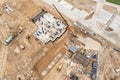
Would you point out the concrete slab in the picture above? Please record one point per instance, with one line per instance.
(104, 16)
(65, 4)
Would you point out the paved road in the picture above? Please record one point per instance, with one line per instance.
(92, 24)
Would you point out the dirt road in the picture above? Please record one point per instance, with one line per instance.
(50, 54)
(3, 51)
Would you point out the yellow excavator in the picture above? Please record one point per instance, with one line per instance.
(59, 67)
(12, 36)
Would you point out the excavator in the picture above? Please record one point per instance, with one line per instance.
(23, 22)
(21, 29)
(59, 67)
(15, 34)
(69, 26)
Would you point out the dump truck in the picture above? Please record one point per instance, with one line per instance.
(59, 67)
(11, 37)
(66, 22)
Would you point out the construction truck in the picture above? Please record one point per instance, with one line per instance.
(59, 67)
(21, 29)
(9, 39)
(70, 27)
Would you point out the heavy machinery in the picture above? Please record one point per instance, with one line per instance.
(70, 27)
(11, 37)
(59, 67)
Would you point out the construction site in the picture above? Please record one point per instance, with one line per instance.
(59, 40)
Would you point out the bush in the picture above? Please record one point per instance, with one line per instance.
(114, 1)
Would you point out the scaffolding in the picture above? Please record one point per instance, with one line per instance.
(49, 28)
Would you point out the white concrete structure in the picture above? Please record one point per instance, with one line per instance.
(65, 4)
(66, 8)
(49, 28)
(116, 23)
(104, 16)
(81, 13)
(87, 41)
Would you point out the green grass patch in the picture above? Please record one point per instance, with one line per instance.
(114, 1)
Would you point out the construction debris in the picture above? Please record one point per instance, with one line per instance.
(50, 28)
(59, 40)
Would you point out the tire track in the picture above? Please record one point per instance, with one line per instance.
(3, 52)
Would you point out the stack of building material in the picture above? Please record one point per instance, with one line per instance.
(49, 28)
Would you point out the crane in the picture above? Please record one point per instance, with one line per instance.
(70, 27)
(16, 33)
